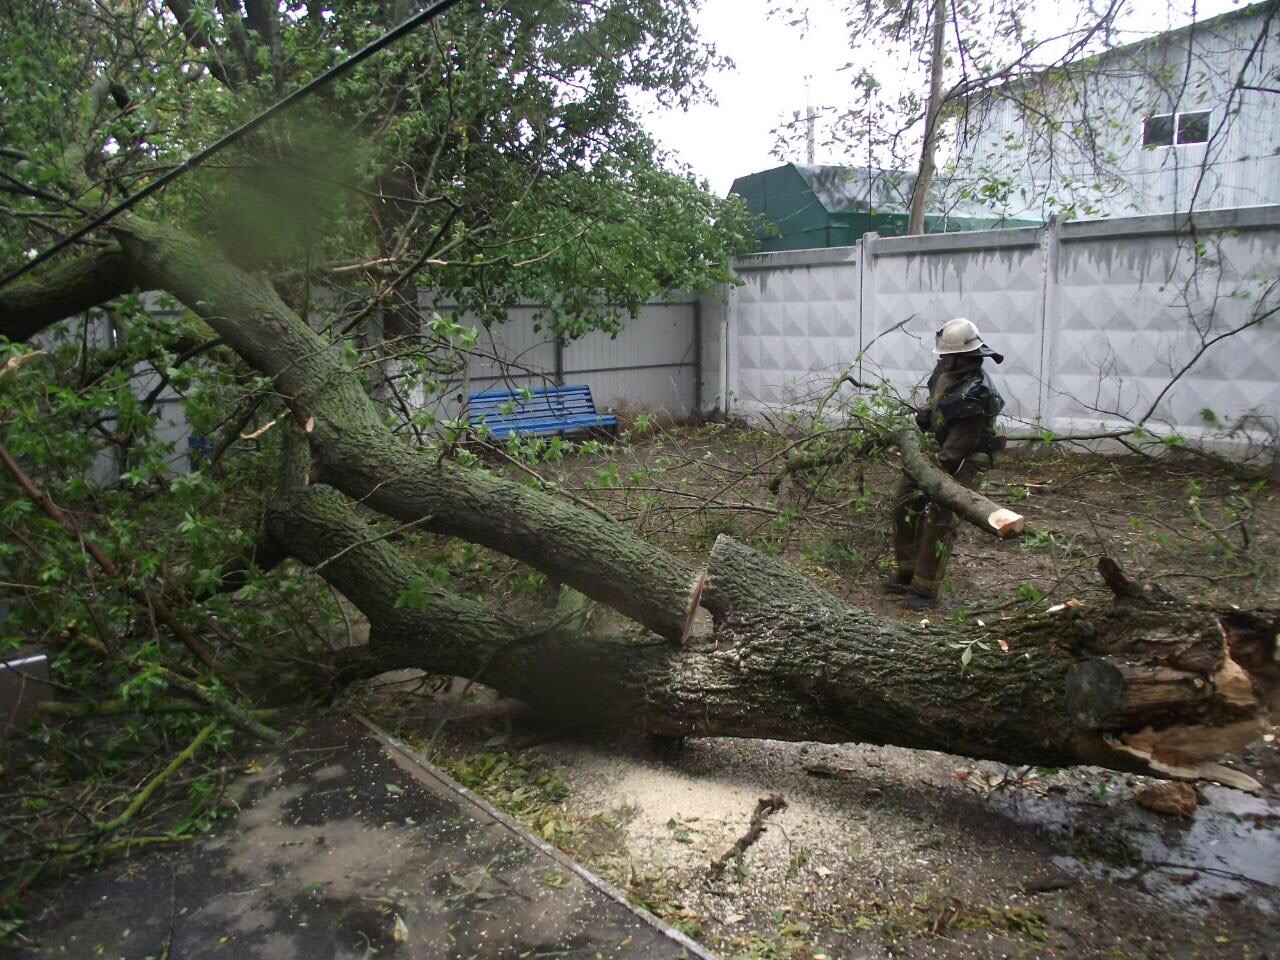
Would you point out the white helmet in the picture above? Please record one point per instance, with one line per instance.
(957, 336)
(962, 336)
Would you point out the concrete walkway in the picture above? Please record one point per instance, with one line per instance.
(348, 846)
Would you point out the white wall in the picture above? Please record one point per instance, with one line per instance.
(1186, 70)
(652, 363)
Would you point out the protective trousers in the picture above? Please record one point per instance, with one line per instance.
(923, 533)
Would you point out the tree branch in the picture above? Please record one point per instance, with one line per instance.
(968, 504)
(29, 306)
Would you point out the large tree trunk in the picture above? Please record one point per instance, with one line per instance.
(358, 453)
(1154, 690)
(933, 110)
(27, 307)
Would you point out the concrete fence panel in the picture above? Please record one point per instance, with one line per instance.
(1099, 322)
(793, 324)
(650, 363)
(1140, 306)
(927, 281)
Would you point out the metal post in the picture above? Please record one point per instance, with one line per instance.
(559, 361)
(697, 356)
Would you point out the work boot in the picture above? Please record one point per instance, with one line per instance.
(900, 582)
(920, 601)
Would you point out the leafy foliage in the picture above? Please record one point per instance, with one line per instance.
(493, 157)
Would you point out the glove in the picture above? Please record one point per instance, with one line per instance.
(924, 419)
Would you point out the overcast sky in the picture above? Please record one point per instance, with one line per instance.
(772, 61)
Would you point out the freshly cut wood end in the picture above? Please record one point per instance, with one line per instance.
(1206, 770)
(695, 598)
(1188, 752)
(1006, 523)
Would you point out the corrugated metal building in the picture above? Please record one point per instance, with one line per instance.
(1164, 125)
(833, 206)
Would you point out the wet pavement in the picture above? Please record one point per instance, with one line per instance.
(347, 846)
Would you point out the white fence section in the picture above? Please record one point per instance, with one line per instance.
(1098, 320)
(652, 363)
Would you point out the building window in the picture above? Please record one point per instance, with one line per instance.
(1193, 127)
(1159, 130)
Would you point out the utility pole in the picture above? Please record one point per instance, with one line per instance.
(809, 121)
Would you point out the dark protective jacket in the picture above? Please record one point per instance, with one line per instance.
(961, 414)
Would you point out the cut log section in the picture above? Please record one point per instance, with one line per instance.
(942, 489)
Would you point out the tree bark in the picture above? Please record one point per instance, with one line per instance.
(928, 149)
(941, 488)
(1152, 690)
(29, 306)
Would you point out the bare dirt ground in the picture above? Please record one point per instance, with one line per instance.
(882, 852)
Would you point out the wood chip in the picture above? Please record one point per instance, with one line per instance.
(1171, 799)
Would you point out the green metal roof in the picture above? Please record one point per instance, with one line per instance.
(832, 206)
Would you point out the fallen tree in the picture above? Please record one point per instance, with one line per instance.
(1164, 690)
(502, 200)
(1158, 688)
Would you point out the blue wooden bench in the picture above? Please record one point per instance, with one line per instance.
(544, 411)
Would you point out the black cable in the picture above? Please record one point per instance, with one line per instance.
(429, 12)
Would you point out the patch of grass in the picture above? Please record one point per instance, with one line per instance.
(658, 894)
(758, 946)
(529, 792)
(797, 862)
(933, 914)
(1098, 845)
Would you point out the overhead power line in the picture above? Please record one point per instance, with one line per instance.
(429, 12)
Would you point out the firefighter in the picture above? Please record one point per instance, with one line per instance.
(960, 414)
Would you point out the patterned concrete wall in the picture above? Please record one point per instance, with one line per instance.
(1099, 321)
(926, 280)
(794, 324)
(1132, 312)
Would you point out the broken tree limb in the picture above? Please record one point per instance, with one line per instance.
(942, 489)
(231, 712)
(808, 460)
(144, 597)
(356, 451)
(765, 807)
(72, 287)
(787, 660)
(1130, 591)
